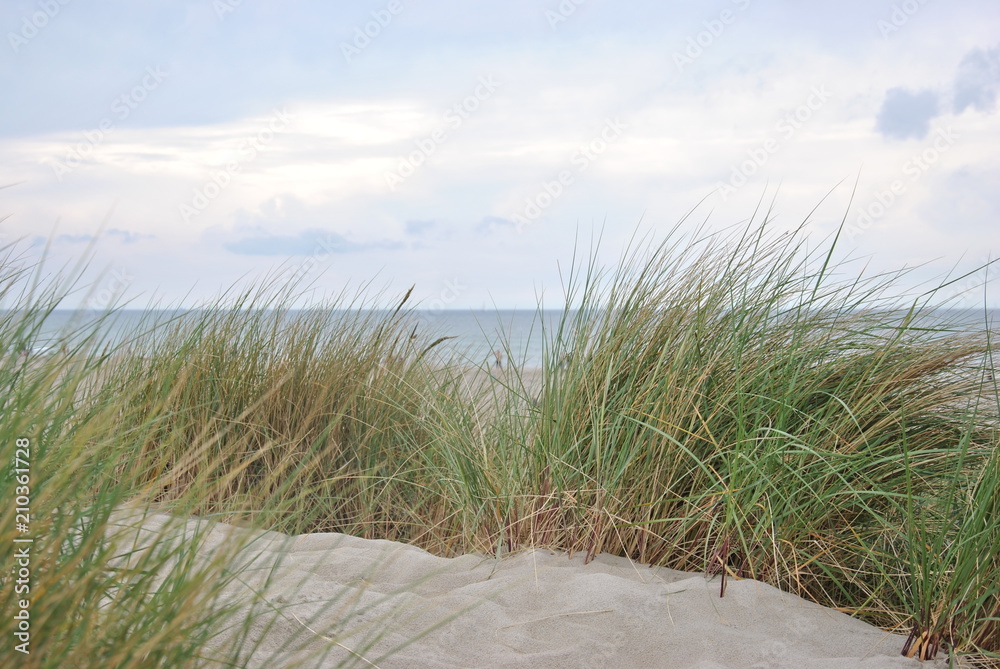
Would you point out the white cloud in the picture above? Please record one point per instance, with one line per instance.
(324, 174)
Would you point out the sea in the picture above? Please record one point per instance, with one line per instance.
(474, 336)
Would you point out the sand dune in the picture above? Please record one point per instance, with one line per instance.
(535, 609)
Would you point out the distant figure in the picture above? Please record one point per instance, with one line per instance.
(498, 354)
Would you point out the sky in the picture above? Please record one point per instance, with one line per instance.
(188, 147)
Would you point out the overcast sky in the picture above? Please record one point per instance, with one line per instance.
(465, 146)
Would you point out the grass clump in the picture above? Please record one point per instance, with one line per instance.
(732, 402)
(726, 403)
(114, 448)
(310, 415)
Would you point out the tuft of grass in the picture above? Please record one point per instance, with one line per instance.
(733, 402)
(111, 449)
(726, 403)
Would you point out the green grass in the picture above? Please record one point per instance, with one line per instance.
(177, 422)
(734, 403)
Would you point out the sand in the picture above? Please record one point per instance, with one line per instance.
(533, 609)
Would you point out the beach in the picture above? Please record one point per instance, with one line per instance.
(329, 600)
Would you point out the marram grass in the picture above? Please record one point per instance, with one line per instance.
(113, 434)
(729, 403)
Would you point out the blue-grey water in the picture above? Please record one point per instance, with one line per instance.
(476, 334)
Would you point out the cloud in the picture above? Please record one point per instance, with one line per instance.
(419, 228)
(75, 239)
(905, 114)
(125, 236)
(491, 224)
(128, 237)
(305, 243)
(978, 80)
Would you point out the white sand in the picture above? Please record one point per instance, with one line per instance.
(536, 609)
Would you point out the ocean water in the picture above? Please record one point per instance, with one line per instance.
(474, 334)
